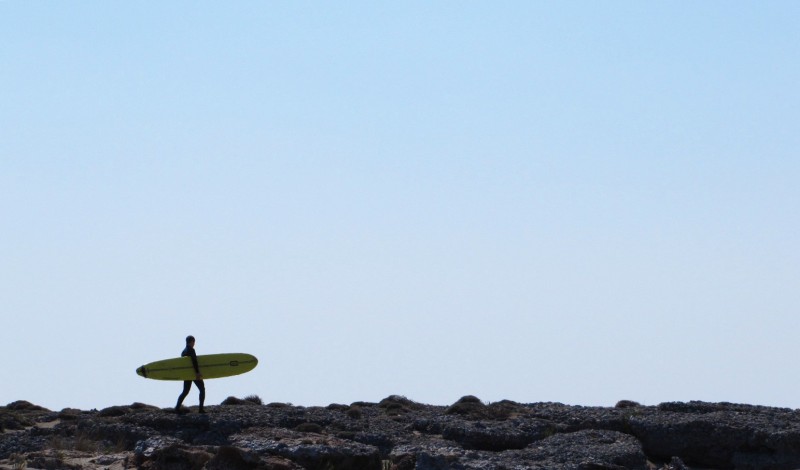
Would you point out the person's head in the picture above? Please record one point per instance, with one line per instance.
(190, 340)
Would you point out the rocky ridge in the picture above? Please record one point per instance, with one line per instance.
(399, 434)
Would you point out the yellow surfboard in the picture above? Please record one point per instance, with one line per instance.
(212, 366)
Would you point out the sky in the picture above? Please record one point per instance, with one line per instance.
(574, 201)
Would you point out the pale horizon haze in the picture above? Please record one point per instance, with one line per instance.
(578, 202)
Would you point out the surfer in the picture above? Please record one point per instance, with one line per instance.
(198, 381)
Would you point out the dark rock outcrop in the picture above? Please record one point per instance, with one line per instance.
(400, 434)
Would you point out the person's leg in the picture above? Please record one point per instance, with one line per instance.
(187, 384)
(201, 386)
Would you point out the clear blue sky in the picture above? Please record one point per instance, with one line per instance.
(538, 201)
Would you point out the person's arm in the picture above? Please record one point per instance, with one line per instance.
(193, 355)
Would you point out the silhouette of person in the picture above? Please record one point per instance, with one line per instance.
(198, 381)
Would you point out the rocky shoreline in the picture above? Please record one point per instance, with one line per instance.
(399, 434)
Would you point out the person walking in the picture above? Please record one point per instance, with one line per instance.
(188, 351)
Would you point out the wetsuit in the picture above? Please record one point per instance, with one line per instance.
(187, 384)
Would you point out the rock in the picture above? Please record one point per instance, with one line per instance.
(309, 451)
(233, 458)
(146, 448)
(589, 449)
(468, 406)
(50, 459)
(720, 435)
(233, 401)
(114, 411)
(401, 434)
(309, 427)
(178, 457)
(396, 404)
(627, 404)
(580, 450)
(22, 405)
(496, 437)
(675, 464)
